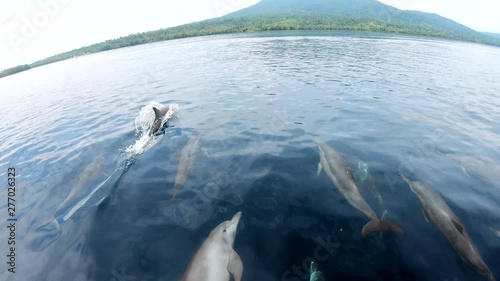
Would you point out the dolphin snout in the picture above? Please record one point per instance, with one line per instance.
(236, 218)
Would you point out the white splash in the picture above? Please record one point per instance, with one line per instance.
(142, 124)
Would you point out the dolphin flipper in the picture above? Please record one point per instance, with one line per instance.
(380, 225)
(320, 168)
(235, 266)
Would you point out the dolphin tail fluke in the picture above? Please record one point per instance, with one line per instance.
(380, 225)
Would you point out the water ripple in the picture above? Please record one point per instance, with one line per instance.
(394, 102)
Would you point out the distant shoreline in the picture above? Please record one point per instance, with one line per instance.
(207, 28)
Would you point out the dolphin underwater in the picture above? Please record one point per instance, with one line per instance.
(88, 174)
(483, 167)
(363, 176)
(436, 210)
(186, 161)
(158, 122)
(216, 260)
(342, 176)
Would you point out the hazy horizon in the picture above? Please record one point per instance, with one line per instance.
(36, 29)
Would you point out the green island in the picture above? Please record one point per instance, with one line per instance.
(267, 15)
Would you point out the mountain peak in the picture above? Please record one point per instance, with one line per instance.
(336, 7)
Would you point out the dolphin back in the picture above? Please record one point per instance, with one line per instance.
(186, 161)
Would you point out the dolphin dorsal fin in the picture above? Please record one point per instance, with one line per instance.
(458, 226)
(157, 112)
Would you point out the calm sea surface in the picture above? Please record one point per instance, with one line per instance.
(427, 108)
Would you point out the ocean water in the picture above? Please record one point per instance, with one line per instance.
(389, 104)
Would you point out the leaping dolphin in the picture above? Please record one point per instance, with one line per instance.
(436, 210)
(342, 177)
(158, 122)
(186, 161)
(216, 260)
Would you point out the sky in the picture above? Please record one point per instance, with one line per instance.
(31, 30)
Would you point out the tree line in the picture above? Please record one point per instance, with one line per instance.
(290, 21)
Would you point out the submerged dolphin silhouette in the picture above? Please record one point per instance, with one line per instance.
(342, 177)
(436, 210)
(485, 168)
(89, 173)
(186, 161)
(216, 260)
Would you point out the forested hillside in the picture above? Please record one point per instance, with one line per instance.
(356, 15)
